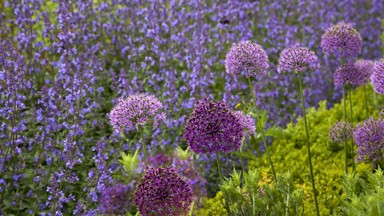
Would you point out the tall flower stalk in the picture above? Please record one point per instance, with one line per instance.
(299, 59)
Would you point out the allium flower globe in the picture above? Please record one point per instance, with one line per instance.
(115, 200)
(247, 122)
(366, 68)
(341, 131)
(369, 138)
(136, 110)
(162, 191)
(343, 40)
(297, 59)
(349, 74)
(377, 78)
(212, 127)
(246, 56)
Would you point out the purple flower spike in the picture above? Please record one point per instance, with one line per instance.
(349, 74)
(115, 199)
(136, 110)
(247, 122)
(341, 131)
(163, 192)
(377, 78)
(369, 138)
(212, 127)
(246, 56)
(342, 39)
(297, 59)
(366, 67)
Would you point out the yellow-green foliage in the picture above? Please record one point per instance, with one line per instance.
(289, 153)
(212, 207)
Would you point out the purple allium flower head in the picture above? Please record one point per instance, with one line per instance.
(341, 131)
(246, 56)
(162, 191)
(369, 138)
(115, 199)
(297, 59)
(366, 68)
(247, 122)
(377, 78)
(212, 127)
(342, 39)
(349, 74)
(136, 110)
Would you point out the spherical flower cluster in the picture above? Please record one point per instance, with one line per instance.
(297, 59)
(136, 110)
(342, 39)
(341, 131)
(115, 200)
(162, 191)
(212, 127)
(349, 74)
(247, 122)
(246, 56)
(377, 78)
(369, 138)
(366, 68)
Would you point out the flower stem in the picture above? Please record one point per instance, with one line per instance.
(218, 167)
(261, 129)
(242, 167)
(308, 145)
(345, 120)
(351, 116)
(366, 101)
(141, 131)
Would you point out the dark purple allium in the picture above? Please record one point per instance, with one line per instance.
(162, 191)
(115, 200)
(247, 122)
(366, 68)
(297, 59)
(246, 56)
(136, 110)
(349, 74)
(212, 127)
(341, 131)
(377, 78)
(342, 39)
(369, 138)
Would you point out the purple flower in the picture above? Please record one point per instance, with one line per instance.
(369, 138)
(116, 199)
(342, 39)
(247, 122)
(162, 191)
(297, 59)
(136, 110)
(212, 127)
(349, 74)
(341, 131)
(366, 68)
(246, 56)
(377, 78)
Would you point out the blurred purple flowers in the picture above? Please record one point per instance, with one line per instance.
(162, 191)
(297, 59)
(212, 127)
(369, 138)
(349, 74)
(247, 122)
(136, 110)
(341, 131)
(115, 200)
(377, 78)
(342, 39)
(246, 56)
(366, 68)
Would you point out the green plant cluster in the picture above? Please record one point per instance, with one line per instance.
(212, 206)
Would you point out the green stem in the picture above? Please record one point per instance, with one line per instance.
(308, 145)
(218, 167)
(242, 167)
(261, 129)
(351, 116)
(143, 144)
(366, 101)
(345, 120)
